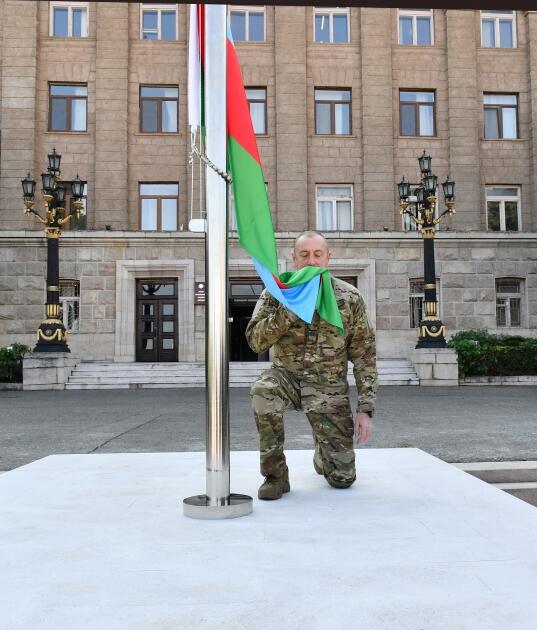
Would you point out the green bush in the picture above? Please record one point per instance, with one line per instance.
(483, 354)
(11, 363)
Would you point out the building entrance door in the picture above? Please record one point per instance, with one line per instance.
(243, 295)
(156, 320)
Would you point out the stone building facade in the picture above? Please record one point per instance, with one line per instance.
(471, 78)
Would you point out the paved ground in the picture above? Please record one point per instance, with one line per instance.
(455, 424)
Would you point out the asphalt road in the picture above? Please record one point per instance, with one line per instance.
(455, 424)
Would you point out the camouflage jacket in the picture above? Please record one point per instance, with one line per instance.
(315, 353)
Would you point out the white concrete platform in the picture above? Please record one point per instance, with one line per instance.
(99, 542)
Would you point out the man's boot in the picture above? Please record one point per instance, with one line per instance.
(273, 487)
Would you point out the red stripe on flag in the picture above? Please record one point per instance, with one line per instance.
(281, 284)
(239, 121)
(201, 31)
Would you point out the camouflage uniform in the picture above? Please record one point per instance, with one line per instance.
(309, 372)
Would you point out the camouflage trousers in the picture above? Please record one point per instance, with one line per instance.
(329, 414)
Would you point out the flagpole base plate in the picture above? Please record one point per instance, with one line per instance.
(233, 506)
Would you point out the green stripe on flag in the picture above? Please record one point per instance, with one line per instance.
(254, 220)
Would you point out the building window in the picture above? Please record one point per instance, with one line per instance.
(68, 19)
(158, 21)
(501, 116)
(334, 208)
(257, 101)
(159, 205)
(503, 209)
(416, 299)
(408, 224)
(74, 223)
(509, 302)
(333, 112)
(417, 113)
(159, 109)
(70, 304)
(416, 27)
(498, 29)
(247, 23)
(68, 105)
(331, 25)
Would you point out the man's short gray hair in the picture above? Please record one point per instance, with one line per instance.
(309, 233)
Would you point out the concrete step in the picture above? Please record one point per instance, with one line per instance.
(518, 478)
(107, 375)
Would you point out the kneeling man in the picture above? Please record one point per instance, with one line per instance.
(309, 372)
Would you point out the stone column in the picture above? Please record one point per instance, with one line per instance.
(111, 115)
(377, 124)
(532, 57)
(17, 105)
(292, 101)
(463, 116)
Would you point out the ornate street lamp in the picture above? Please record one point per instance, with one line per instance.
(51, 334)
(432, 330)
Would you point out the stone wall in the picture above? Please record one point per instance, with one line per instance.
(382, 262)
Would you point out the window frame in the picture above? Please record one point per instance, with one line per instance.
(333, 110)
(247, 9)
(417, 105)
(493, 15)
(334, 200)
(510, 296)
(331, 11)
(421, 296)
(257, 100)
(159, 100)
(414, 14)
(69, 99)
(75, 299)
(69, 6)
(144, 6)
(502, 199)
(159, 199)
(499, 110)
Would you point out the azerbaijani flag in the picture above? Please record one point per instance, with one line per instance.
(302, 291)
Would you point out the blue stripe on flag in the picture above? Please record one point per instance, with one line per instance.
(300, 300)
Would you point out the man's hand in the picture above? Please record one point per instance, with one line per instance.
(362, 427)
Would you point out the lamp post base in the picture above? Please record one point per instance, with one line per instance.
(235, 505)
(51, 337)
(432, 334)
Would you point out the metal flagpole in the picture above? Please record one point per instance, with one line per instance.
(218, 502)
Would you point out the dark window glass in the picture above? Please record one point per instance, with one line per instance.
(68, 107)
(423, 26)
(61, 21)
(168, 25)
(58, 117)
(238, 26)
(339, 26)
(159, 109)
(405, 31)
(79, 16)
(256, 27)
(159, 207)
(417, 112)
(322, 29)
(333, 112)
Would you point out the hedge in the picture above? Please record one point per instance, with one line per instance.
(11, 363)
(483, 354)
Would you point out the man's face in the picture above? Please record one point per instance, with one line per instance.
(312, 251)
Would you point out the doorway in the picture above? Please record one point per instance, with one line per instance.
(243, 296)
(156, 320)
